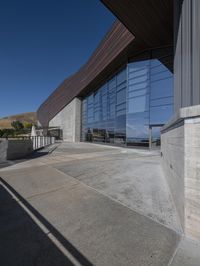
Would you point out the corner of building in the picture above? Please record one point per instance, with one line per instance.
(180, 147)
(69, 121)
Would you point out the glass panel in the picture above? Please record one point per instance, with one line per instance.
(155, 137)
(138, 80)
(137, 93)
(137, 128)
(121, 76)
(105, 113)
(161, 93)
(161, 101)
(112, 83)
(137, 107)
(160, 75)
(134, 99)
(138, 86)
(138, 104)
(161, 88)
(121, 86)
(121, 96)
(136, 74)
(161, 114)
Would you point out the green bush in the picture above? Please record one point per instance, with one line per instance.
(27, 125)
(17, 125)
(7, 132)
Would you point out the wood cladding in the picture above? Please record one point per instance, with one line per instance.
(151, 21)
(109, 54)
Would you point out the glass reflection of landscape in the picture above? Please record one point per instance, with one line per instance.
(136, 98)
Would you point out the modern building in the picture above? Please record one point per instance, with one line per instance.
(142, 80)
(117, 97)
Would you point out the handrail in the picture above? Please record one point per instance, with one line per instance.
(40, 141)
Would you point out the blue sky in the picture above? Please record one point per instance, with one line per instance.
(41, 43)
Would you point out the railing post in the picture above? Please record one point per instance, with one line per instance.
(41, 141)
(150, 137)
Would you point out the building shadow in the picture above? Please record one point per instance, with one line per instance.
(23, 242)
(34, 155)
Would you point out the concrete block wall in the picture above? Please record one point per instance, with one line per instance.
(15, 149)
(3, 149)
(172, 148)
(180, 147)
(192, 177)
(19, 149)
(69, 121)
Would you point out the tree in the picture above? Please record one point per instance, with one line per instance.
(27, 125)
(17, 125)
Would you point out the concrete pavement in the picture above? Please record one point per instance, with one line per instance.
(87, 204)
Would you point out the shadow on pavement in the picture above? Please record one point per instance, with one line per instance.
(34, 155)
(23, 242)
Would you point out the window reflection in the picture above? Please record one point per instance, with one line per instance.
(122, 110)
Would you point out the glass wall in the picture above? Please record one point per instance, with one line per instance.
(138, 90)
(133, 101)
(104, 112)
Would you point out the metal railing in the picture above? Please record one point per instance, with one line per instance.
(40, 142)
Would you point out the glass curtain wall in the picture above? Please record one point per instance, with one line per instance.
(138, 91)
(104, 112)
(135, 100)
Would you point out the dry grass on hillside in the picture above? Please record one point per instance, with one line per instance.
(25, 117)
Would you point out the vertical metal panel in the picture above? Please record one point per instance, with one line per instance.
(187, 56)
(177, 67)
(196, 51)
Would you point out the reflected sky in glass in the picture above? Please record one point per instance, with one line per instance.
(126, 105)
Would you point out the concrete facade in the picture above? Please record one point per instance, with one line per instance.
(192, 176)
(172, 149)
(69, 121)
(181, 164)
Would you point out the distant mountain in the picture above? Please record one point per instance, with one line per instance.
(30, 117)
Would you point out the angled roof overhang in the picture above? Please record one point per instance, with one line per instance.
(111, 52)
(146, 24)
(150, 21)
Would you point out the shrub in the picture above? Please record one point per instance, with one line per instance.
(27, 125)
(7, 132)
(17, 125)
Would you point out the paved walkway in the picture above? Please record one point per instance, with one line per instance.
(86, 204)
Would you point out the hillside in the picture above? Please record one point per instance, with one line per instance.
(30, 117)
